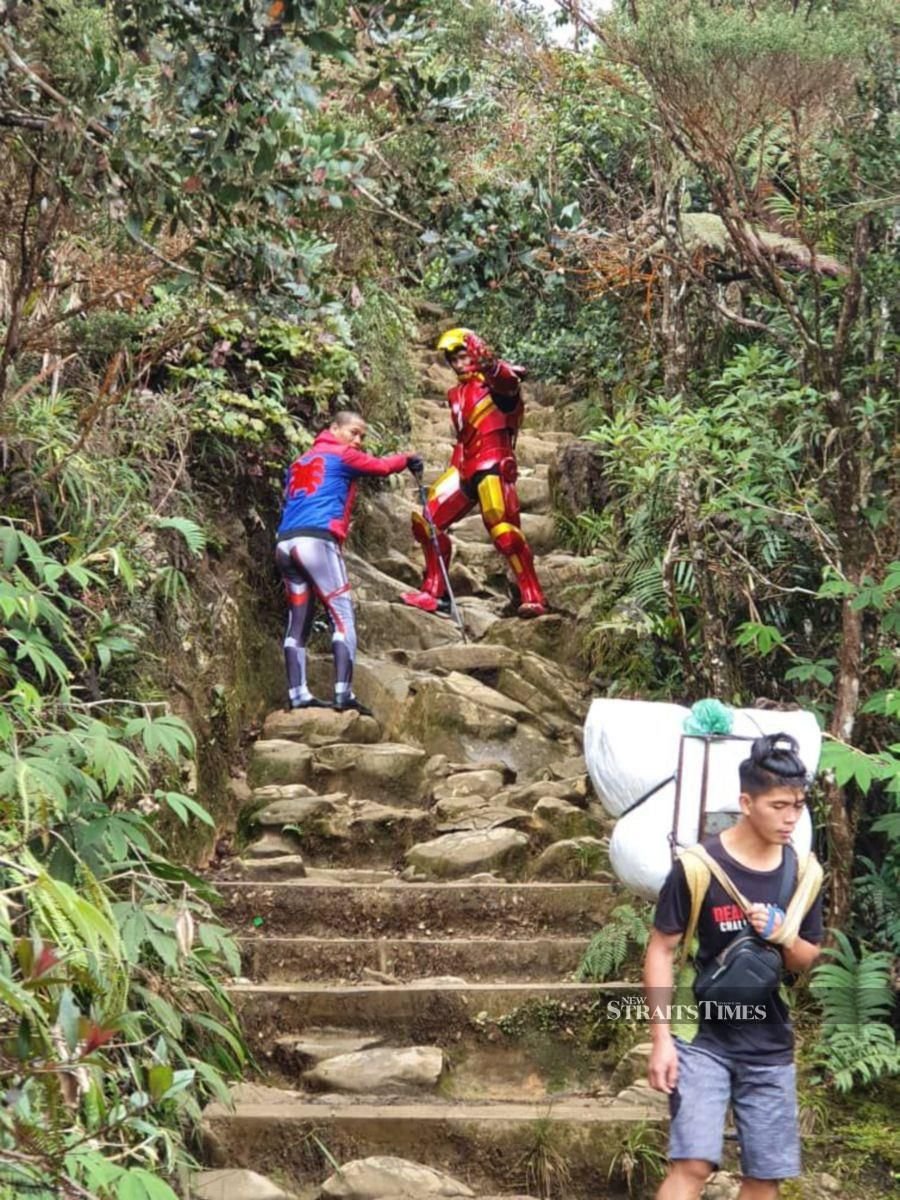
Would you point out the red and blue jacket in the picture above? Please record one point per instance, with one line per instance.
(320, 487)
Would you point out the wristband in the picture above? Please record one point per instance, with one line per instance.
(774, 914)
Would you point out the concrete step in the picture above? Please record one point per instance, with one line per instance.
(430, 1010)
(569, 1145)
(503, 960)
(315, 908)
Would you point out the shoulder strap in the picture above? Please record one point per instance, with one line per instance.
(807, 888)
(696, 874)
(719, 873)
(788, 878)
(809, 884)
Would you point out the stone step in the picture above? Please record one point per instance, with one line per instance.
(373, 771)
(481, 1063)
(569, 1144)
(321, 727)
(510, 910)
(336, 830)
(441, 1010)
(523, 960)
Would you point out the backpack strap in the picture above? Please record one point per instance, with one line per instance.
(809, 884)
(697, 876)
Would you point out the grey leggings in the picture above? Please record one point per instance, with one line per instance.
(312, 567)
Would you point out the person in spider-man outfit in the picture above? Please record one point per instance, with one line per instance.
(486, 410)
(320, 488)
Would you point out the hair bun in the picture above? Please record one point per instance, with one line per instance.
(779, 754)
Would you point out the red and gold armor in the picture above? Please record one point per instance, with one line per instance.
(486, 411)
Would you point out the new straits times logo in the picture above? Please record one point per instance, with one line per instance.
(642, 1009)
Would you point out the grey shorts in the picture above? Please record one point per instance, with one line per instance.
(764, 1102)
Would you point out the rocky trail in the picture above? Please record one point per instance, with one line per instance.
(417, 892)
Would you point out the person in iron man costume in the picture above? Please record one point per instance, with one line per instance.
(486, 411)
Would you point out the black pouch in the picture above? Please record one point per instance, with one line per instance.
(749, 969)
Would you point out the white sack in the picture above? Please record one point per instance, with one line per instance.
(632, 745)
(639, 847)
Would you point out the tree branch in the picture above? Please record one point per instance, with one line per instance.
(41, 84)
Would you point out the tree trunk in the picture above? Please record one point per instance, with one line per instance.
(840, 819)
(718, 667)
(673, 328)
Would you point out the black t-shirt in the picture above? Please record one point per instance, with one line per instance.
(768, 1039)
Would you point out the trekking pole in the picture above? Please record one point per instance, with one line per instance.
(435, 539)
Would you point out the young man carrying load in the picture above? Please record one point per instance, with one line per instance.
(757, 911)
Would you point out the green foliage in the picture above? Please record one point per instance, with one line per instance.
(544, 1165)
(639, 1159)
(857, 1044)
(383, 329)
(626, 930)
(116, 1024)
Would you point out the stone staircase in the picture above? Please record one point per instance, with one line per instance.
(418, 890)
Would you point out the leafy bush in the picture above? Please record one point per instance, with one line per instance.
(115, 1023)
(856, 1043)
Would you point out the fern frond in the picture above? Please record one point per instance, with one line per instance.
(609, 948)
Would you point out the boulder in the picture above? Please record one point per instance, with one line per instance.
(281, 791)
(369, 582)
(549, 637)
(566, 820)
(304, 811)
(383, 1177)
(466, 582)
(277, 761)
(271, 845)
(317, 1045)
(631, 1067)
(527, 795)
(387, 766)
(456, 854)
(398, 566)
(479, 812)
(643, 1095)
(721, 1186)
(478, 616)
(474, 657)
(383, 625)
(578, 479)
(382, 1069)
(368, 821)
(533, 449)
(321, 727)
(540, 531)
(440, 767)
(235, 1184)
(263, 870)
(386, 686)
(571, 768)
(534, 493)
(470, 783)
(573, 859)
(446, 711)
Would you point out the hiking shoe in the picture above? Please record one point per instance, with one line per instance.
(423, 600)
(532, 609)
(312, 702)
(352, 704)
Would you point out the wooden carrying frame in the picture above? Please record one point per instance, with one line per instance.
(708, 739)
